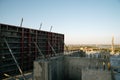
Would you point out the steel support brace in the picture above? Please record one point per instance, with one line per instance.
(14, 59)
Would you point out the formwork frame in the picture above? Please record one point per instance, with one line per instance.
(21, 41)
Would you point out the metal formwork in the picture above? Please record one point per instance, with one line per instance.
(21, 41)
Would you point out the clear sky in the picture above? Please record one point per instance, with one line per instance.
(81, 21)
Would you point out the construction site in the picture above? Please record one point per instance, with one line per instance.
(41, 53)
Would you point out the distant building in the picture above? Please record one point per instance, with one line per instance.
(112, 46)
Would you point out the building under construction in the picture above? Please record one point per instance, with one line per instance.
(26, 45)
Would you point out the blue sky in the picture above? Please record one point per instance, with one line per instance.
(81, 21)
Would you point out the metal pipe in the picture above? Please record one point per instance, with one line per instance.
(51, 47)
(40, 26)
(21, 22)
(50, 44)
(50, 28)
(39, 50)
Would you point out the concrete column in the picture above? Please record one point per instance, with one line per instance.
(40, 70)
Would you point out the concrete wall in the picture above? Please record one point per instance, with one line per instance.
(51, 69)
(72, 71)
(74, 67)
(71, 68)
(56, 68)
(95, 75)
(40, 70)
(86, 62)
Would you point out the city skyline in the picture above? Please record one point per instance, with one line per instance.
(81, 21)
